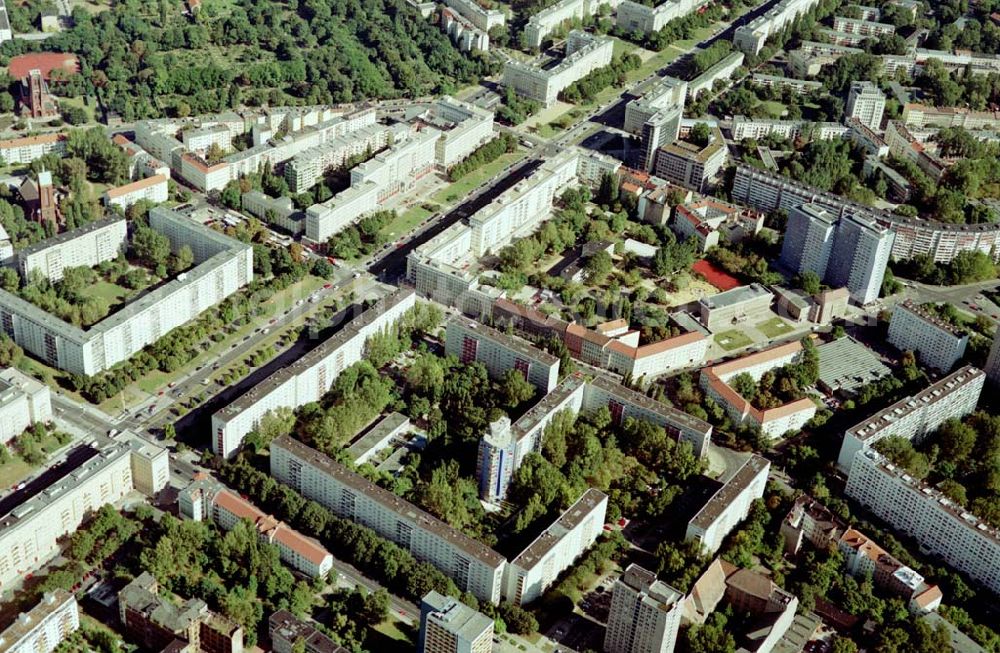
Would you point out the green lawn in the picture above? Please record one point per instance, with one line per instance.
(774, 109)
(733, 339)
(774, 327)
(16, 469)
(407, 221)
(388, 637)
(458, 190)
(111, 293)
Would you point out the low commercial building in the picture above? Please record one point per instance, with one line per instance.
(945, 529)
(692, 165)
(378, 437)
(472, 342)
(276, 211)
(209, 499)
(308, 378)
(152, 189)
(585, 53)
(745, 304)
(938, 344)
(917, 416)
(449, 626)
(474, 567)
(86, 246)
(23, 401)
(285, 630)
(846, 366)
(533, 570)
(645, 614)
(729, 505)
(34, 520)
(773, 422)
(55, 617)
(157, 622)
(708, 222)
(750, 38)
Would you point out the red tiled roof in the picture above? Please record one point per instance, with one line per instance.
(32, 140)
(268, 525)
(136, 185)
(21, 65)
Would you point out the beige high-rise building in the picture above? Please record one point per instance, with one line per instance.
(449, 626)
(645, 614)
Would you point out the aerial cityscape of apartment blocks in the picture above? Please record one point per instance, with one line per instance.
(207, 499)
(772, 422)
(810, 521)
(937, 343)
(585, 53)
(942, 527)
(849, 250)
(472, 342)
(33, 519)
(86, 246)
(473, 566)
(23, 402)
(449, 626)
(504, 445)
(41, 629)
(729, 505)
(309, 377)
(917, 416)
(223, 265)
(645, 614)
(766, 191)
(533, 570)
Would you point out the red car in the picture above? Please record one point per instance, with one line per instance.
(328, 285)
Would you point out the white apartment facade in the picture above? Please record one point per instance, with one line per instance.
(153, 189)
(729, 505)
(937, 343)
(474, 567)
(866, 103)
(202, 138)
(308, 378)
(520, 210)
(635, 17)
(744, 128)
(942, 527)
(86, 246)
(645, 614)
(23, 402)
(585, 53)
(29, 533)
(305, 169)
(471, 127)
(533, 570)
(484, 19)
(18, 151)
(41, 629)
(864, 28)
(222, 266)
(551, 18)
(914, 417)
(722, 70)
(472, 342)
(750, 38)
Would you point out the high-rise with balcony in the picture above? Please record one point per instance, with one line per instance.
(866, 103)
(645, 614)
